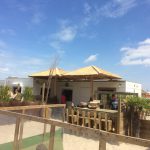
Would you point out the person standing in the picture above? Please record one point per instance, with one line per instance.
(63, 99)
(114, 102)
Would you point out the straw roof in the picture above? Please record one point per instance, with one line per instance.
(56, 72)
(92, 71)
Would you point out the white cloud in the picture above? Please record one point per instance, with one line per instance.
(147, 41)
(112, 9)
(14, 64)
(66, 34)
(117, 8)
(139, 55)
(91, 58)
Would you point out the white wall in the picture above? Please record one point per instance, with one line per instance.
(81, 90)
(134, 88)
(24, 82)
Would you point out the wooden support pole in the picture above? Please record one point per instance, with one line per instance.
(89, 119)
(43, 92)
(63, 114)
(55, 86)
(102, 144)
(44, 116)
(21, 130)
(72, 115)
(83, 118)
(119, 115)
(95, 122)
(99, 119)
(106, 121)
(78, 117)
(91, 86)
(67, 115)
(16, 133)
(52, 136)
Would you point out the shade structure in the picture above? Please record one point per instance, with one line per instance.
(55, 72)
(92, 71)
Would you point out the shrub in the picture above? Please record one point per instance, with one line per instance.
(138, 103)
(4, 93)
(28, 94)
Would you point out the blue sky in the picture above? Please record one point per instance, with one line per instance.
(111, 34)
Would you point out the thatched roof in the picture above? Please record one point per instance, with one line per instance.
(92, 71)
(55, 72)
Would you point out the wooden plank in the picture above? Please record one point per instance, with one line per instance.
(33, 107)
(99, 110)
(52, 136)
(102, 144)
(93, 132)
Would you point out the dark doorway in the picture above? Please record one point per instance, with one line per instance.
(14, 88)
(68, 94)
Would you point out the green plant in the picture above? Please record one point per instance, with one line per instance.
(4, 93)
(138, 103)
(28, 94)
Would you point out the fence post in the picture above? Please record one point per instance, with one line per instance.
(21, 130)
(102, 144)
(16, 133)
(44, 116)
(52, 136)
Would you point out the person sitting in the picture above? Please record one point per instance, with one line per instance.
(114, 102)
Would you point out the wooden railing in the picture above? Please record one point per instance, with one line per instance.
(100, 135)
(102, 119)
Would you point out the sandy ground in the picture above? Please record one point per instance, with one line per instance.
(74, 142)
(70, 141)
(31, 128)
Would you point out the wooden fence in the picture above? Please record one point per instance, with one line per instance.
(100, 135)
(102, 119)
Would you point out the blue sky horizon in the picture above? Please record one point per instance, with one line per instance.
(111, 34)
